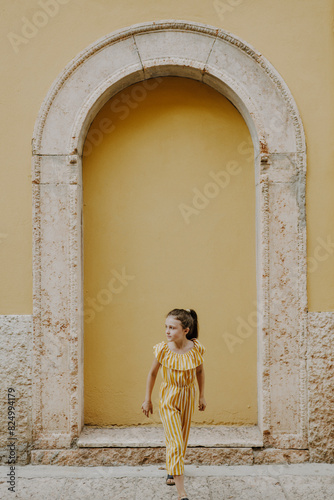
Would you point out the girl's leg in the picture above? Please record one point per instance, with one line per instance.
(186, 423)
(174, 441)
(186, 414)
(188, 405)
(171, 420)
(179, 483)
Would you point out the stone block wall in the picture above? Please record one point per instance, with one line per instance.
(321, 386)
(16, 379)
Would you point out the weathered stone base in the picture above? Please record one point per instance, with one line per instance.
(145, 456)
(219, 456)
(22, 455)
(99, 456)
(320, 386)
(274, 456)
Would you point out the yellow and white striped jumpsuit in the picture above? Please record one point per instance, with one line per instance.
(177, 399)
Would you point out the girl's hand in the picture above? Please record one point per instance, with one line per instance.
(201, 404)
(147, 407)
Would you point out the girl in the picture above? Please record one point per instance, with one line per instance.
(181, 358)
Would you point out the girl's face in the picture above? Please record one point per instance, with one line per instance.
(174, 330)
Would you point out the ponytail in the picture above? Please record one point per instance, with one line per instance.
(193, 332)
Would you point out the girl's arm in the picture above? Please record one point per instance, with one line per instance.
(147, 406)
(200, 379)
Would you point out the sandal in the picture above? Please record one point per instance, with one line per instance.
(170, 478)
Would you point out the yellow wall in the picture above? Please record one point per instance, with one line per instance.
(169, 196)
(295, 36)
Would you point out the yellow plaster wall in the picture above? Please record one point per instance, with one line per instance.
(296, 36)
(169, 198)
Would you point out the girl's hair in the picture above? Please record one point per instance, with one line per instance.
(188, 319)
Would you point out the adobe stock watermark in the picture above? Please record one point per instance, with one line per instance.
(218, 181)
(321, 253)
(245, 329)
(31, 27)
(225, 7)
(116, 284)
(122, 108)
(277, 122)
(276, 470)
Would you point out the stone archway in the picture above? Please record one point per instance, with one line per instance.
(246, 78)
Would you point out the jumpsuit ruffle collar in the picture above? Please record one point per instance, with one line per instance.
(187, 361)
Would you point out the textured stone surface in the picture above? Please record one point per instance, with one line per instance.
(140, 456)
(120, 488)
(321, 386)
(83, 77)
(246, 488)
(34, 489)
(165, 44)
(22, 452)
(290, 482)
(99, 456)
(58, 356)
(252, 80)
(282, 306)
(149, 436)
(287, 318)
(273, 456)
(15, 373)
(196, 488)
(308, 488)
(219, 456)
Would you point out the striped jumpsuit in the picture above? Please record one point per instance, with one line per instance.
(177, 399)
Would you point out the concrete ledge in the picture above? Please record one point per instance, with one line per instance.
(278, 482)
(152, 471)
(151, 437)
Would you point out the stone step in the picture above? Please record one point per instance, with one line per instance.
(217, 436)
(157, 455)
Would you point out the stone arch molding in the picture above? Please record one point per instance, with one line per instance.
(248, 80)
